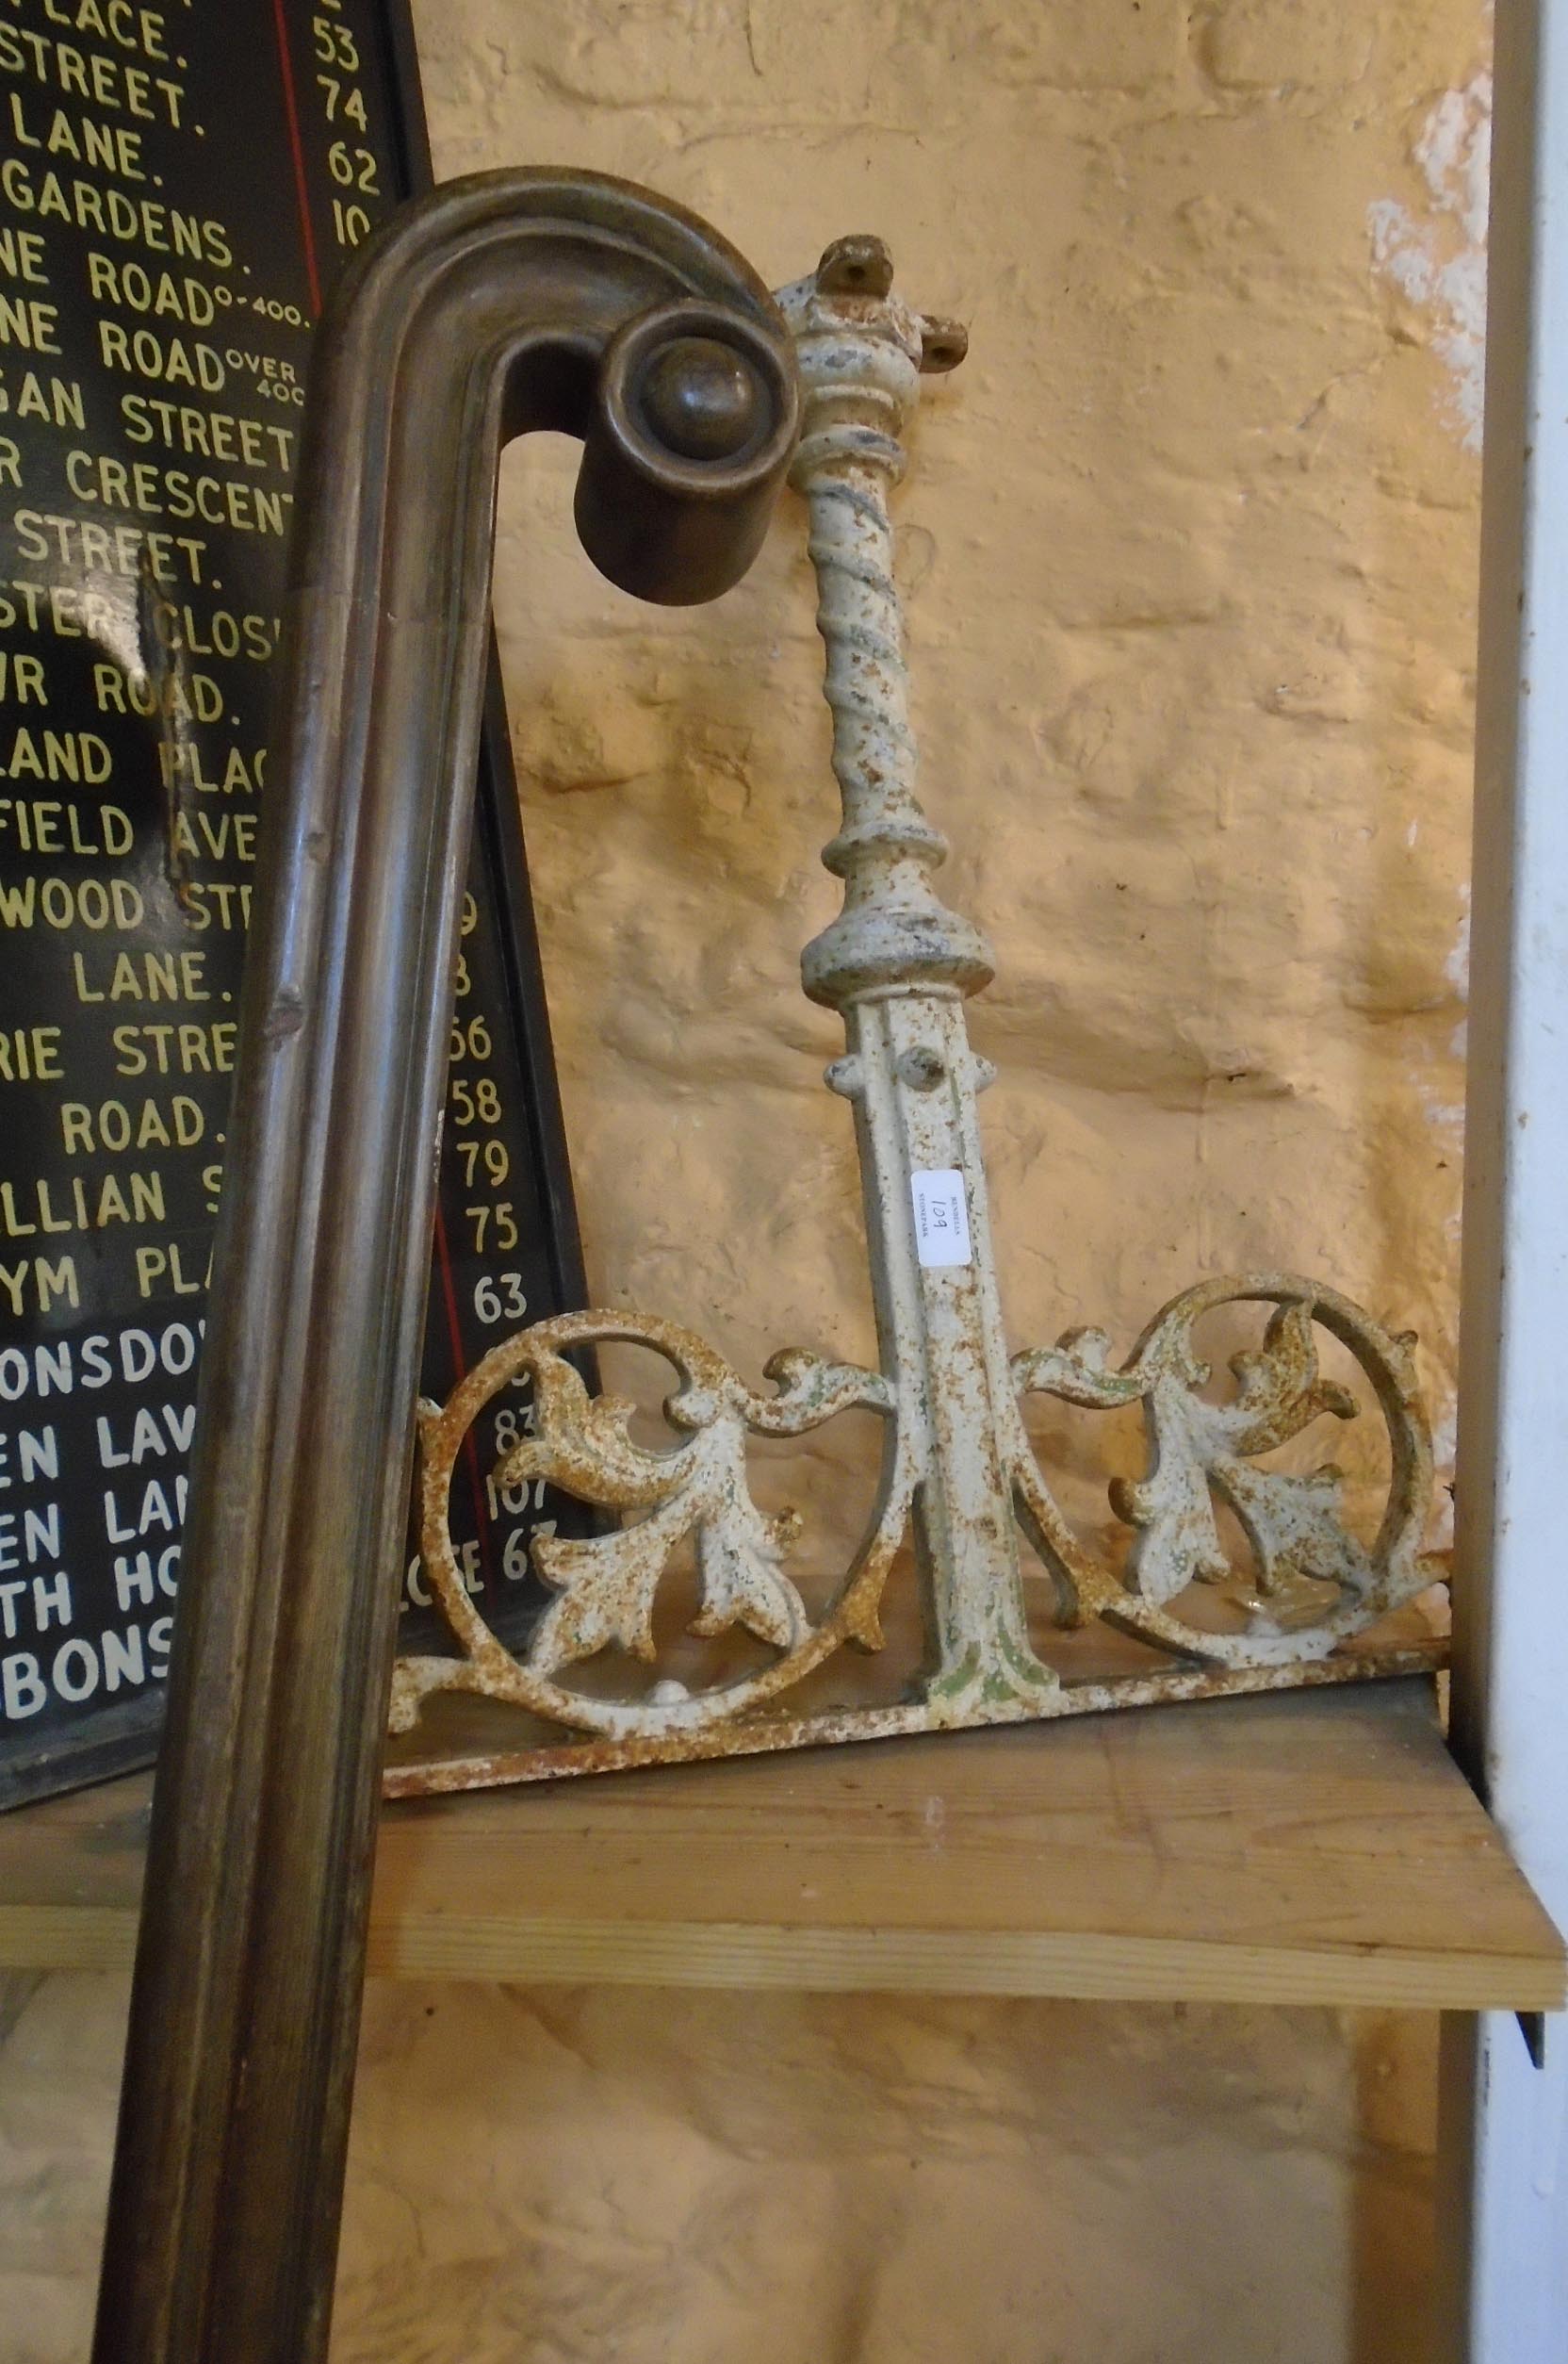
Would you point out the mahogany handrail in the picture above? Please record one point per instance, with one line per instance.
(507, 301)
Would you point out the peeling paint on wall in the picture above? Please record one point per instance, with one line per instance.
(1436, 258)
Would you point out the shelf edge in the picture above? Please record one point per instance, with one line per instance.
(1053, 1964)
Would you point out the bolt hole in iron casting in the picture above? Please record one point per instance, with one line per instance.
(922, 1068)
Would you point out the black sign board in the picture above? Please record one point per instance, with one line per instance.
(178, 185)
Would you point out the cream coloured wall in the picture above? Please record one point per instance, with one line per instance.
(1189, 546)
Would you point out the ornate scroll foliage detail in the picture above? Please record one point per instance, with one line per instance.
(1201, 1454)
(1313, 1584)
(606, 1585)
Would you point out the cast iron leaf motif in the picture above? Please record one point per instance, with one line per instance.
(1201, 1453)
(607, 1586)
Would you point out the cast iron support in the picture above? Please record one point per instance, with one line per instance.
(960, 1477)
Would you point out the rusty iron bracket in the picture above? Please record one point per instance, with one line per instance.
(960, 1477)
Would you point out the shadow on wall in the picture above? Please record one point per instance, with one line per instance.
(546, 2175)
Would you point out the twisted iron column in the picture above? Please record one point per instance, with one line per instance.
(898, 965)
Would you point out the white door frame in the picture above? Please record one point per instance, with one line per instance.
(1504, 2121)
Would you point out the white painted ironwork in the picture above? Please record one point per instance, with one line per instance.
(960, 1476)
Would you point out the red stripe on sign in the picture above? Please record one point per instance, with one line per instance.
(302, 192)
(470, 1444)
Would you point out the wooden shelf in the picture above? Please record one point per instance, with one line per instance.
(1314, 1847)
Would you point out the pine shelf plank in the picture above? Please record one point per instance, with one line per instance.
(1316, 1847)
